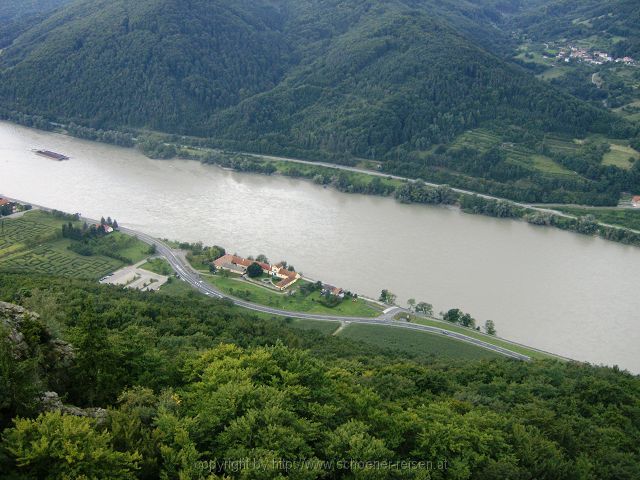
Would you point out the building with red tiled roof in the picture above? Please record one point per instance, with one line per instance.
(635, 201)
(282, 284)
(239, 265)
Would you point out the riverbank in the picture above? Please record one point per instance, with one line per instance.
(351, 179)
(562, 293)
(407, 190)
(42, 265)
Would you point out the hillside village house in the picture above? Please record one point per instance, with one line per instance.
(239, 265)
(635, 201)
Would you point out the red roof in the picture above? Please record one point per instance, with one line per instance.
(285, 282)
(228, 258)
(287, 273)
(3, 202)
(636, 199)
(235, 260)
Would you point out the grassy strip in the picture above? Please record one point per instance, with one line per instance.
(296, 303)
(485, 338)
(326, 328)
(626, 218)
(417, 343)
(177, 287)
(158, 265)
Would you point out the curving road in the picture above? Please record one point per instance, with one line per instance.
(189, 275)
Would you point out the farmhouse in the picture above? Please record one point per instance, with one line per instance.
(331, 290)
(239, 265)
(635, 201)
(287, 277)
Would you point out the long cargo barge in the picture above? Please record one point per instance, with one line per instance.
(52, 155)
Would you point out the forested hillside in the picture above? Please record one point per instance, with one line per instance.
(151, 386)
(579, 19)
(359, 78)
(16, 16)
(404, 82)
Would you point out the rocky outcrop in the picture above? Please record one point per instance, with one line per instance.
(12, 318)
(52, 402)
(28, 337)
(15, 320)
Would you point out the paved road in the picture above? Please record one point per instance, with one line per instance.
(544, 208)
(189, 275)
(407, 179)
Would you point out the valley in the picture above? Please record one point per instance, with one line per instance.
(337, 239)
(544, 273)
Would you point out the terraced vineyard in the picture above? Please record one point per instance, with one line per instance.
(483, 140)
(57, 261)
(561, 144)
(32, 244)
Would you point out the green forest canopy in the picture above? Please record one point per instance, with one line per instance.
(191, 383)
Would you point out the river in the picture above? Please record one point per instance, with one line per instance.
(558, 291)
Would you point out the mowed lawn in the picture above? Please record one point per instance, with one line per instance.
(239, 288)
(158, 265)
(414, 342)
(33, 243)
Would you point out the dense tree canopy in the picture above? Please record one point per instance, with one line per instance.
(399, 81)
(363, 78)
(197, 389)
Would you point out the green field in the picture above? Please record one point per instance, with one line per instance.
(326, 328)
(486, 338)
(415, 342)
(623, 217)
(482, 140)
(619, 156)
(554, 72)
(53, 258)
(561, 144)
(33, 243)
(129, 247)
(177, 287)
(158, 265)
(545, 164)
(237, 287)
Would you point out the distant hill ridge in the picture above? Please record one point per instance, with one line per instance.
(361, 77)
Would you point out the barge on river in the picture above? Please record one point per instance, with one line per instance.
(52, 155)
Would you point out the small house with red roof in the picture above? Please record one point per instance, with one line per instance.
(635, 201)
